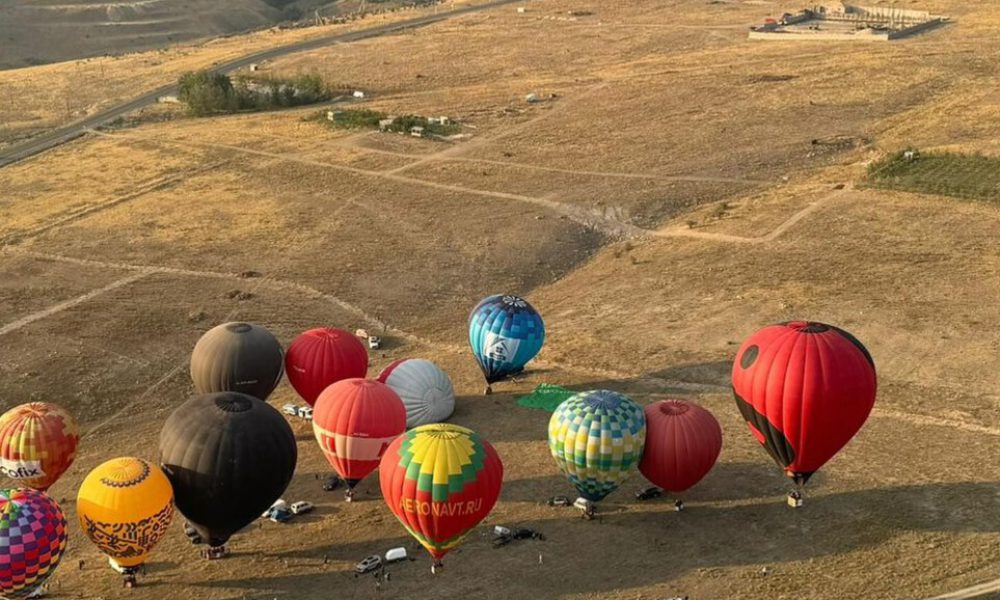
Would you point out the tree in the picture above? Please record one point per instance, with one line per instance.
(207, 92)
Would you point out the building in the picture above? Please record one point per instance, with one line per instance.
(840, 21)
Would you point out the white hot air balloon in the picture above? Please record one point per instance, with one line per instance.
(425, 389)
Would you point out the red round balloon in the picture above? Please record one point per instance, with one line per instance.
(323, 356)
(804, 389)
(355, 420)
(683, 441)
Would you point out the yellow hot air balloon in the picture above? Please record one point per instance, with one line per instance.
(125, 506)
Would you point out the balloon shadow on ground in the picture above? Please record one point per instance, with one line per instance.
(499, 418)
(725, 482)
(638, 544)
(718, 372)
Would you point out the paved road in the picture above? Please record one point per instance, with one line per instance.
(78, 128)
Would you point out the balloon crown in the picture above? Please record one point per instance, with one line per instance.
(239, 327)
(808, 326)
(603, 399)
(515, 301)
(126, 473)
(674, 407)
(233, 403)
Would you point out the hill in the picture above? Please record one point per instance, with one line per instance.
(34, 32)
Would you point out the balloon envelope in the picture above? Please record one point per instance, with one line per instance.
(320, 357)
(597, 439)
(440, 480)
(125, 506)
(505, 332)
(228, 457)
(424, 388)
(804, 390)
(32, 540)
(354, 422)
(683, 441)
(237, 357)
(37, 444)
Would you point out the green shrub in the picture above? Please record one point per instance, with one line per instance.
(970, 176)
(207, 93)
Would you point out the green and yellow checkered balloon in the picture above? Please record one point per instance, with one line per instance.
(597, 438)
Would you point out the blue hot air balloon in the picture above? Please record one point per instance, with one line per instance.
(505, 332)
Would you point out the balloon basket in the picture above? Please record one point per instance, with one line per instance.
(678, 505)
(587, 508)
(216, 552)
(436, 567)
(794, 500)
(129, 581)
(488, 390)
(349, 495)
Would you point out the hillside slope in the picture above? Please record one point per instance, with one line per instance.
(34, 32)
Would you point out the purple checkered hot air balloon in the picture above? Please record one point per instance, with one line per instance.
(32, 540)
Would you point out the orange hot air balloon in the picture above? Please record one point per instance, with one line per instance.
(440, 480)
(37, 444)
(354, 422)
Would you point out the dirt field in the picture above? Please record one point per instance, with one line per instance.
(668, 202)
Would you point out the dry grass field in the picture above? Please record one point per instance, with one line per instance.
(669, 201)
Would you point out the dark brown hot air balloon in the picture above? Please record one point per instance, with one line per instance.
(237, 357)
(228, 456)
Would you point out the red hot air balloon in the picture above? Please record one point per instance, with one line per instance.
(804, 389)
(321, 357)
(37, 444)
(440, 480)
(683, 441)
(354, 421)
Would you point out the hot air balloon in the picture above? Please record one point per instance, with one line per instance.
(424, 388)
(320, 357)
(125, 506)
(505, 332)
(37, 444)
(237, 357)
(228, 457)
(804, 389)
(354, 422)
(683, 441)
(597, 438)
(440, 480)
(32, 540)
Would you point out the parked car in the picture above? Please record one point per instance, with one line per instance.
(332, 482)
(395, 555)
(281, 515)
(560, 501)
(374, 342)
(306, 412)
(192, 534)
(648, 493)
(368, 565)
(279, 504)
(290, 409)
(301, 508)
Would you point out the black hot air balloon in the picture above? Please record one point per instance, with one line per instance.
(237, 357)
(229, 456)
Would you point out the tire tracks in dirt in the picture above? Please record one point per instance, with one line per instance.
(148, 187)
(581, 215)
(314, 293)
(67, 304)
